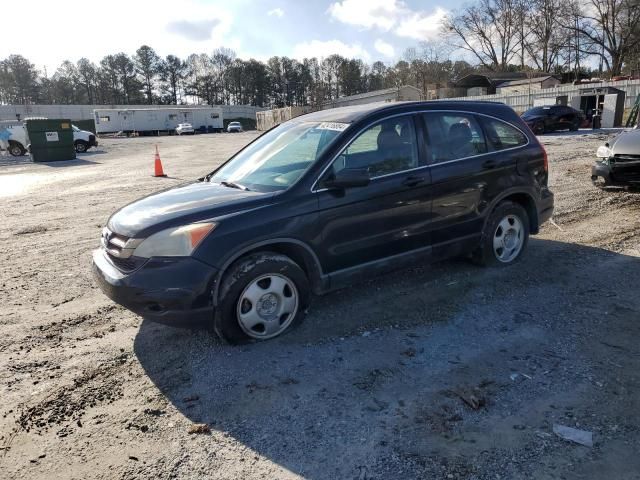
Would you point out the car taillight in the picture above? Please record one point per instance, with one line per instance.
(545, 160)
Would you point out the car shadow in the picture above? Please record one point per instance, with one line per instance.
(69, 163)
(346, 389)
(10, 161)
(90, 153)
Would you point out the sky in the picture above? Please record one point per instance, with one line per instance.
(52, 31)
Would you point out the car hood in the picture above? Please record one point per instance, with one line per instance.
(627, 143)
(181, 205)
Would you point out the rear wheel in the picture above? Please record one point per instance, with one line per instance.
(505, 236)
(261, 297)
(16, 149)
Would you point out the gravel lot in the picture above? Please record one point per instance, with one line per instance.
(381, 380)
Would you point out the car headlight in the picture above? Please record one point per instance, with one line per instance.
(604, 152)
(174, 242)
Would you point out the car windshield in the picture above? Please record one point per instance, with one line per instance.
(279, 157)
(74, 128)
(536, 111)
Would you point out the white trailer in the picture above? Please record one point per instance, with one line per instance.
(156, 120)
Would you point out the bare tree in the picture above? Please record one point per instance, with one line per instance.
(609, 29)
(545, 36)
(489, 30)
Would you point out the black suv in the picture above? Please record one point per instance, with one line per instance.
(554, 117)
(322, 200)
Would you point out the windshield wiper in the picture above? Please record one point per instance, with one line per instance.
(233, 185)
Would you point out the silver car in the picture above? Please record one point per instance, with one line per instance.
(234, 127)
(619, 161)
(185, 129)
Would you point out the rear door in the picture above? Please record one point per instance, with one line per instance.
(473, 159)
(389, 216)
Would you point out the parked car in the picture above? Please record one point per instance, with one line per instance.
(185, 129)
(19, 144)
(234, 127)
(620, 161)
(321, 201)
(554, 117)
(83, 140)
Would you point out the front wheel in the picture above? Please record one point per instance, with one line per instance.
(504, 237)
(575, 125)
(81, 147)
(262, 296)
(539, 128)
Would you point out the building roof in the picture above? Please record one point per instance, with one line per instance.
(353, 113)
(373, 93)
(525, 81)
(487, 79)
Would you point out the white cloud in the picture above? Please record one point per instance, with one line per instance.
(276, 12)
(367, 13)
(198, 30)
(389, 15)
(141, 25)
(320, 49)
(421, 26)
(384, 48)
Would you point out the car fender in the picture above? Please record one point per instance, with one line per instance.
(316, 277)
(81, 135)
(529, 192)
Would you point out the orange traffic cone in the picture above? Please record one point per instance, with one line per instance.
(158, 165)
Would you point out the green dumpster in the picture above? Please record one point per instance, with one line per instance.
(51, 140)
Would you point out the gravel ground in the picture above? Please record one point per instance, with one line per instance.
(444, 371)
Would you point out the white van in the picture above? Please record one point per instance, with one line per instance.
(18, 140)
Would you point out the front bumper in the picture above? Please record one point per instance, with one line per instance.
(603, 176)
(170, 290)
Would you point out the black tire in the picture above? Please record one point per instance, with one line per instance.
(239, 277)
(485, 254)
(16, 150)
(575, 125)
(81, 146)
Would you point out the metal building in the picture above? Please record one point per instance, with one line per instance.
(399, 94)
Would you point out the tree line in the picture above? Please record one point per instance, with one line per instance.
(550, 36)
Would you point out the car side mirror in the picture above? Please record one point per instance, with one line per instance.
(348, 178)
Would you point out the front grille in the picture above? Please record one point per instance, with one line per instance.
(120, 250)
(127, 265)
(626, 158)
(113, 243)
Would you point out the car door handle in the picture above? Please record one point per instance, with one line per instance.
(489, 164)
(413, 181)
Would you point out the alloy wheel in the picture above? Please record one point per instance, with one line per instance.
(267, 306)
(508, 238)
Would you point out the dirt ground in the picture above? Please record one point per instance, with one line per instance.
(444, 371)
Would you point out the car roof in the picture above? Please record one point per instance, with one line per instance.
(356, 112)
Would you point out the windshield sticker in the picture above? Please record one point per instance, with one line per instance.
(338, 127)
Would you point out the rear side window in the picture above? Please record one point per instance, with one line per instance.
(501, 135)
(451, 136)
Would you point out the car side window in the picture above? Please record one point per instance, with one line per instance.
(501, 135)
(452, 136)
(384, 148)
